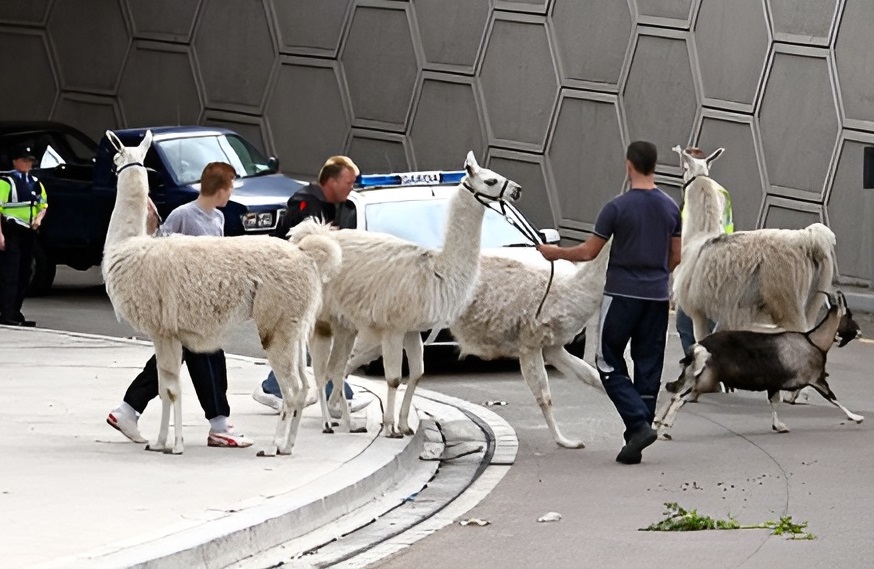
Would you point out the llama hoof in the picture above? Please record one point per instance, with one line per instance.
(358, 430)
(173, 450)
(155, 447)
(665, 437)
(780, 428)
(406, 431)
(267, 452)
(564, 443)
(284, 451)
(328, 430)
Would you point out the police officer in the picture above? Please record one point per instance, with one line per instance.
(22, 208)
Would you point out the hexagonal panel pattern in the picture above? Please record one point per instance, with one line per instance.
(381, 65)
(784, 214)
(532, 6)
(379, 153)
(452, 31)
(25, 54)
(660, 97)
(310, 27)
(150, 68)
(737, 169)
(798, 152)
(586, 156)
(235, 54)
(76, 51)
(732, 41)
(853, 208)
(855, 66)
(518, 54)
(251, 128)
(527, 170)
(663, 11)
(304, 134)
(446, 123)
(807, 21)
(150, 19)
(32, 12)
(92, 114)
(579, 28)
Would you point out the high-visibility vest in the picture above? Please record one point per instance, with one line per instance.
(727, 218)
(21, 209)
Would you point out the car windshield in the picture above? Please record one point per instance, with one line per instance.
(187, 157)
(424, 222)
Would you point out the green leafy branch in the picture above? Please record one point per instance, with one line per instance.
(678, 518)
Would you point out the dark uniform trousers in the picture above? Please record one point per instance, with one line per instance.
(15, 268)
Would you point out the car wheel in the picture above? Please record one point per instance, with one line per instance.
(43, 271)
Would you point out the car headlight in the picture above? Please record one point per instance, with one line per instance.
(258, 220)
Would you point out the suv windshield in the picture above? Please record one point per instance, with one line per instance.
(424, 222)
(187, 157)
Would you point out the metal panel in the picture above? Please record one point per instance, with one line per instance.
(28, 13)
(379, 152)
(381, 65)
(251, 128)
(451, 32)
(527, 170)
(781, 213)
(732, 40)
(446, 123)
(519, 82)
(150, 68)
(75, 50)
(854, 208)
(589, 53)
(26, 54)
(586, 155)
(738, 168)
(310, 27)
(855, 64)
(660, 96)
(530, 6)
(92, 114)
(235, 53)
(803, 21)
(798, 152)
(675, 13)
(150, 19)
(306, 113)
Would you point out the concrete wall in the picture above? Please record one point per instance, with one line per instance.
(548, 92)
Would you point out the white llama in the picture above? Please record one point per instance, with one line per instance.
(502, 322)
(740, 278)
(190, 291)
(388, 287)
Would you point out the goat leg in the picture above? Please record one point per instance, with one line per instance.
(824, 390)
(776, 424)
(666, 420)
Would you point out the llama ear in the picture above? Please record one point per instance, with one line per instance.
(716, 154)
(116, 143)
(147, 141)
(678, 150)
(470, 163)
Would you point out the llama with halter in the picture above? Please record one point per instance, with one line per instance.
(744, 277)
(190, 291)
(388, 287)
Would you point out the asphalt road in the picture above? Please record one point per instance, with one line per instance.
(602, 503)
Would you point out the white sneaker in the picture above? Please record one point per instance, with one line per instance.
(268, 399)
(125, 425)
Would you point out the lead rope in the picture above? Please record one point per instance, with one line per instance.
(521, 225)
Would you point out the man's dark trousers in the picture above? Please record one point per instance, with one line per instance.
(15, 268)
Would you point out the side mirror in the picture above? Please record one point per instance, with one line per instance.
(273, 164)
(156, 179)
(550, 236)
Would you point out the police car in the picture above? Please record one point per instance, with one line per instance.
(414, 206)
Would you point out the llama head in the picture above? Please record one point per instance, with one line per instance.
(127, 155)
(486, 185)
(694, 162)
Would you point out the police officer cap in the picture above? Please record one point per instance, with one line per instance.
(22, 151)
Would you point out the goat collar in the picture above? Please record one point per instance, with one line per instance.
(689, 181)
(117, 172)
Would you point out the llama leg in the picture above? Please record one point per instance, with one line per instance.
(367, 348)
(699, 326)
(823, 389)
(776, 424)
(320, 350)
(392, 360)
(416, 362)
(533, 370)
(572, 366)
(168, 353)
(344, 340)
(283, 357)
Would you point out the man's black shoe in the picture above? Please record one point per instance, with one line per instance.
(24, 321)
(10, 322)
(632, 452)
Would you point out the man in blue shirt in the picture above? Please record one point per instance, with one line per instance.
(645, 226)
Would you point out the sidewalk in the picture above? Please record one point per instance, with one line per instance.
(74, 492)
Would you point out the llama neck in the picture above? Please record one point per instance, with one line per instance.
(461, 245)
(704, 209)
(131, 207)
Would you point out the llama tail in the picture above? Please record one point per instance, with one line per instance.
(325, 251)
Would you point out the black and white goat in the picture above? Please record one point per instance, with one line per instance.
(759, 361)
